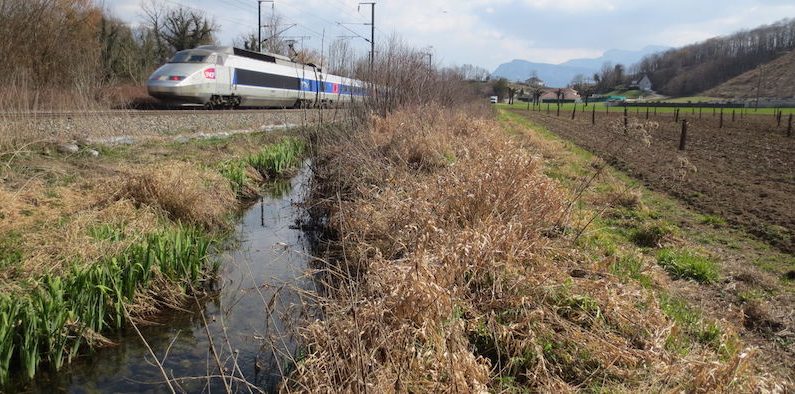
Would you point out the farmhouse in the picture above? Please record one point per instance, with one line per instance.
(552, 94)
(643, 84)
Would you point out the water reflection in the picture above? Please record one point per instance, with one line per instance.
(248, 319)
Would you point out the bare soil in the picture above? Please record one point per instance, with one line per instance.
(774, 79)
(743, 172)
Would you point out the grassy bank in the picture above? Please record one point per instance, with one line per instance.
(600, 108)
(453, 267)
(724, 276)
(91, 243)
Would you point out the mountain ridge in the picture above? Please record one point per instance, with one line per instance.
(561, 74)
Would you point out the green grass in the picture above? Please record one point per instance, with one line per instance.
(271, 161)
(713, 220)
(601, 108)
(277, 158)
(51, 321)
(695, 328)
(685, 264)
(651, 234)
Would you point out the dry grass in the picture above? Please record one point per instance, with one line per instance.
(441, 278)
(183, 192)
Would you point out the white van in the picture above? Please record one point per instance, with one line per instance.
(493, 99)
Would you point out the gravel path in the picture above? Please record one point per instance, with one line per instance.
(129, 127)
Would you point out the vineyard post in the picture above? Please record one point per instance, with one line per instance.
(574, 111)
(778, 118)
(626, 122)
(676, 115)
(720, 125)
(637, 110)
(733, 115)
(789, 126)
(593, 114)
(547, 108)
(713, 112)
(528, 105)
(647, 113)
(655, 111)
(683, 136)
(692, 110)
(558, 114)
(699, 112)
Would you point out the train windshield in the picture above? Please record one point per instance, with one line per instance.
(190, 57)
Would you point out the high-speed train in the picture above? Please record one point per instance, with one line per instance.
(228, 77)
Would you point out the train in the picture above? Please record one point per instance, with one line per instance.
(230, 77)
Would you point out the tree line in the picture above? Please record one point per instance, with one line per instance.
(76, 47)
(695, 68)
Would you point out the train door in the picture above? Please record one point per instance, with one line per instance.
(223, 78)
(316, 86)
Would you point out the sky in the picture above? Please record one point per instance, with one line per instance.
(487, 33)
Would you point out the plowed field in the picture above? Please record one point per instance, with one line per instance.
(743, 172)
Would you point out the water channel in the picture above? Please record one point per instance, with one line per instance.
(261, 291)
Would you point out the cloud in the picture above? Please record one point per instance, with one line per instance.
(490, 32)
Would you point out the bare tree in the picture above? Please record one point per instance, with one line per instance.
(176, 29)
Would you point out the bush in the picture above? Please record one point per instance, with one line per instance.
(685, 264)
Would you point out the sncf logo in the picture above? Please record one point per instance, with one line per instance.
(209, 73)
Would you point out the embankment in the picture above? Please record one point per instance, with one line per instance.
(451, 267)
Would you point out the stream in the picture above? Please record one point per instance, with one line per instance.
(261, 279)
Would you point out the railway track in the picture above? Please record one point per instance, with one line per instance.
(137, 113)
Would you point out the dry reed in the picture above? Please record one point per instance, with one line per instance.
(442, 278)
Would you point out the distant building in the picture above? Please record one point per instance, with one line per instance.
(535, 82)
(643, 84)
(552, 94)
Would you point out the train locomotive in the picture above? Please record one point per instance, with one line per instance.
(228, 77)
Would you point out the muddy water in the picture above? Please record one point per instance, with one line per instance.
(261, 281)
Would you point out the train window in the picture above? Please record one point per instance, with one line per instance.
(188, 57)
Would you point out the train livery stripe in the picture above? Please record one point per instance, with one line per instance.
(265, 80)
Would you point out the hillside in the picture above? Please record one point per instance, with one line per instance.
(775, 79)
(702, 66)
(561, 74)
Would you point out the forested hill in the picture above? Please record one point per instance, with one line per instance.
(699, 67)
(775, 79)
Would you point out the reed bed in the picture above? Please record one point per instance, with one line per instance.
(62, 313)
(443, 272)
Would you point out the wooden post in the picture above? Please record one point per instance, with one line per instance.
(647, 113)
(593, 114)
(655, 111)
(699, 112)
(676, 115)
(733, 115)
(574, 111)
(720, 125)
(558, 113)
(683, 136)
(626, 121)
(778, 118)
(637, 110)
(789, 126)
(547, 108)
